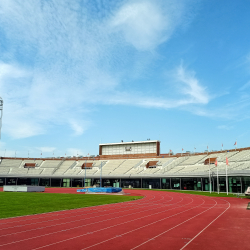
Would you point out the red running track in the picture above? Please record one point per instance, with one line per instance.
(161, 220)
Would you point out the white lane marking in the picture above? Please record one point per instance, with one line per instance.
(206, 226)
(37, 216)
(174, 227)
(72, 211)
(13, 242)
(68, 211)
(44, 221)
(142, 227)
(118, 225)
(63, 223)
(97, 211)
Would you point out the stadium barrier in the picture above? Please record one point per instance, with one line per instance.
(100, 190)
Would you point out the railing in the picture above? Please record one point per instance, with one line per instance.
(175, 163)
(138, 164)
(58, 166)
(75, 163)
(168, 162)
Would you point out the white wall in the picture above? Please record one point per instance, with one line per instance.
(137, 148)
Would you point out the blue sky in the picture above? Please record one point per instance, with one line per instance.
(76, 73)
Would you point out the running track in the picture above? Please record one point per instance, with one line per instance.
(161, 220)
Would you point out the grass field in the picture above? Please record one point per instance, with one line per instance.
(213, 194)
(17, 204)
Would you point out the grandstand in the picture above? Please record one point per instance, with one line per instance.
(133, 164)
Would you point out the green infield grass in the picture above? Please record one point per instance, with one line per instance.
(17, 204)
(205, 193)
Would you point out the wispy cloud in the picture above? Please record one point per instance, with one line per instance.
(74, 152)
(77, 127)
(76, 55)
(191, 86)
(145, 24)
(234, 110)
(46, 149)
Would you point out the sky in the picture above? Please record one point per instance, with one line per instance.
(77, 73)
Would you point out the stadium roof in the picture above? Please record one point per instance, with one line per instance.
(132, 142)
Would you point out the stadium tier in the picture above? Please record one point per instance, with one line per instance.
(129, 169)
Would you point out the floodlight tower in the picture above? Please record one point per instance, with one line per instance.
(1, 115)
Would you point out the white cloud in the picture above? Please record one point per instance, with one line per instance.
(7, 70)
(46, 149)
(145, 24)
(72, 59)
(77, 127)
(5, 152)
(191, 86)
(74, 152)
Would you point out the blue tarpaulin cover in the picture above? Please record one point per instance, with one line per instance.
(100, 190)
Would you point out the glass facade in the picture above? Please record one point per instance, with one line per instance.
(245, 183)
(56, 182)
(165, 183)
(87, 182)
(205, 184)
(2, 182)
(34, 181)
(75, 182)
(236, 184)
(23, 181)
(154, 183)
(96, 182)
(111, 182)
(11, 181)
(133, 183)
(222, 184)
(191, 183)
(45, 182)
(175, 183)
(65, 182)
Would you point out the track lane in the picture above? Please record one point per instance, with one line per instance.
(163, 220)
(57, 214)
(33, 226)
(105, 232)
(112, 218)
(101, 211)
(229, 231)
(62, 231)
(180, 234)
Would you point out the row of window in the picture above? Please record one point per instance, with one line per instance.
(235, 184)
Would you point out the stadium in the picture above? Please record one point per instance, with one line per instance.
(167, 216)
(83, 83)
(135, 165)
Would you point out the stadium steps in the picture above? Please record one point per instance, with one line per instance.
(192, 160)
(73, 171)
(18, 171)
(47, 171)
(174, 163)
(63, 167)
(12, 163)
(4, 170)
(129, 165)
(88, 171)
(34, 171)
(124, 167)
(110, 166)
